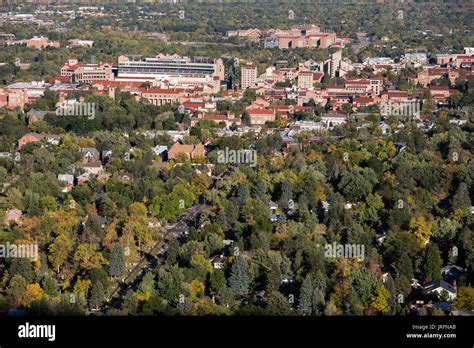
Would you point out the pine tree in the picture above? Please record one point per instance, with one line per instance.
(23, 267)
(239, 280)
(130, 303)
(405, 266)
(97, 295)
(273, 277)
(305, 300)
(312, 296)
(461, 199)
(278, 304)
(432, 264)
(50, 286)
(117, 261)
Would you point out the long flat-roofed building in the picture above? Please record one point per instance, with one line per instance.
(181, 70)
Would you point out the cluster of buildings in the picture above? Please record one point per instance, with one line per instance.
(193, 83)
(162, 71)
(298, 36)
(37, 42)
(23, 18)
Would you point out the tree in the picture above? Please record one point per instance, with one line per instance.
(130, 303)
(97, 296)
(22, 266)
(278, 304)
(465, 299)
(421, 229)
(146, 288)
(32, 294)
(433, 262)
(88, 257)
(461, 199)
(15, 290)
(404, 266)
(50, 286)
(170, 284)
(364, 282)
(239, 280)
(59, 251)
(357, 183)
(117, 261)
(380, 299)
(217, 280)
(273, 277)
(312, 296)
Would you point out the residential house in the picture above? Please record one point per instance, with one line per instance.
(36, 115)
(53, 139)
(192, 152)
(13, 215)
(29, 138)
(93, 167)
(440, 287)
(126, 176)
(89, 154)
(66, 182)
(218, 261)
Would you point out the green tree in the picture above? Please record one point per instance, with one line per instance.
(239, 280)
(97, 296)
(278, 304)
(117, 261)
(312, 296)
(217, 280)
(432, 263)
(461, 199)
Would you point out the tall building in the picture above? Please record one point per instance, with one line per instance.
(248, 76)
(333, 64)
(305, 79)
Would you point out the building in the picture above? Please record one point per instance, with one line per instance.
(248, 77)
(260, 117)
(192, 152)
(29, 138)
(86, 73)
(41, 42)
(304, 36)
(161, 96)
(173, 68)
(89, 155)
(440, 287)
(36, 115)
(80, 43)
(66, 182)
(305, 79)
(13, 215)
(333, 64)
(333, 120)
(228, 119)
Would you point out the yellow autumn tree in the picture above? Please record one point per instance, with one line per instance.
(380, 299)
(320, 193)
(197, 288)
(465, 299)
(421, 228)
(88, 257)
(82, 286)
(32, 294)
